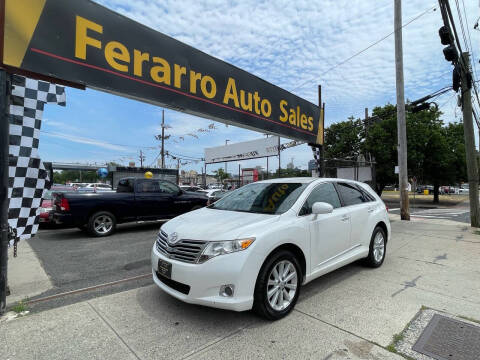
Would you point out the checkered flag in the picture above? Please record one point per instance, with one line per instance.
(27, 177)
(317, 156)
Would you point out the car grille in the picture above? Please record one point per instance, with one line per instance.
(184, 250)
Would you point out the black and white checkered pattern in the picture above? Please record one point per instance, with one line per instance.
(28, 177)
(317, 156)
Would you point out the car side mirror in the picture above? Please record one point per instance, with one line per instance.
(321, 208)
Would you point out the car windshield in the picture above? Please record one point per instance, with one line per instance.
(263, 198)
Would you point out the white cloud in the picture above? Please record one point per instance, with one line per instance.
(289, 42)
(83, 140)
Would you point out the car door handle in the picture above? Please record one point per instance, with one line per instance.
(370, 210)
(345, 218)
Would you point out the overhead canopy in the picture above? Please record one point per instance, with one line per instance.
(85, 43)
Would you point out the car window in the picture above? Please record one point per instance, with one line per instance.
(350, 194)
(263, 198)
(322, 193)
(125, 185)
(149, 186)
(169, 188)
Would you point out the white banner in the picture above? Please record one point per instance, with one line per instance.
(242, 151)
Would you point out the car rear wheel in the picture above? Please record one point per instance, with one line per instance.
(102, 223)
(378, 248)
(278, 286)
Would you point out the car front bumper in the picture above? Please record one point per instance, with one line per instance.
(203, 281)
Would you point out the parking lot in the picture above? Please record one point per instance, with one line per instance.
(73, 260)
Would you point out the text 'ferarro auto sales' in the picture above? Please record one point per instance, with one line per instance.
(119, 57)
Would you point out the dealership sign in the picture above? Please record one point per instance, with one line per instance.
(243, 150)
(84, 43)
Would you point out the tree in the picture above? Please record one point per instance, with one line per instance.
(221, 174)
(381, 144)
(344, 139)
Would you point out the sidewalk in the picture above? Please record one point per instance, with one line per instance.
(352, 313)
(26, 276)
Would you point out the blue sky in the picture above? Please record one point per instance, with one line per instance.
(292, 44)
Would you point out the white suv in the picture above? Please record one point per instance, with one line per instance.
(256, 246)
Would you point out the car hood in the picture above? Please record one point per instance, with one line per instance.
(211, 224)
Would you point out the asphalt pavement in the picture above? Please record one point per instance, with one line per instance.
(73, 260)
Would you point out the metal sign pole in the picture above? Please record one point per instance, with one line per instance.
(4, 131)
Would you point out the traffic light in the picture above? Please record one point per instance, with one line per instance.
(444, 35)
(450, 52)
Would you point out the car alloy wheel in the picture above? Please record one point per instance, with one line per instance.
(378, 248)
(278, 285)
(282, 285)
(103, 224)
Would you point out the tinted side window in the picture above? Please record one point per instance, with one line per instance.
(168, 188)
(322, 193)
(125, 185)
(350, 194)
(148, 186)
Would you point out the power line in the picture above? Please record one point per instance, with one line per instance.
(73, 138)
(365, 49)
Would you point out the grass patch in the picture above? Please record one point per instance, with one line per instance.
(477, 232)
(393, 345)
(20, 307)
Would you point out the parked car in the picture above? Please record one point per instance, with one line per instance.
(190, 188)
(46, 206)
(255, 247)
(99, 186)
(135, 199)
(213, 193)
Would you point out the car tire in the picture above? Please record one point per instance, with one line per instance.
(268, 302)
(102, 223)
(378, 248)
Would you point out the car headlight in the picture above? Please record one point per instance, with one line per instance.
(216, 248)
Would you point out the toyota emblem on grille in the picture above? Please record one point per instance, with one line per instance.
(172, 238)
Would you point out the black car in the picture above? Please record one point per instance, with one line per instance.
(134, 200)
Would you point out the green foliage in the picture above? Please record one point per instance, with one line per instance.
(221, 174)
(74, 176)
(20, 307)
(343, 139)
(436, 153)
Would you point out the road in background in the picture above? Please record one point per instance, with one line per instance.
(455, 214)
(73, 261)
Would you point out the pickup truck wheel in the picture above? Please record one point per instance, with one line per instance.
(102, 223)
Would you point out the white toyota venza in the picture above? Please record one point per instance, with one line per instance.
(255, 247)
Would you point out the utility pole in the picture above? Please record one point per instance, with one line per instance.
(279, 167)
(471, 154)
(141, 158)
(163, 139)
(4, 140)
(401, 122)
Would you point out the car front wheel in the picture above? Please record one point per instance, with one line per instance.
(278, 286)
(102, 223)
